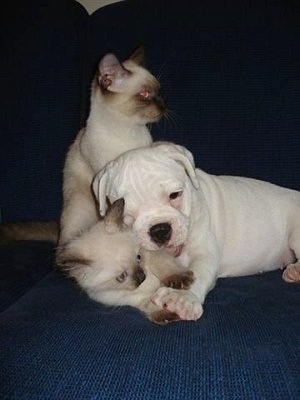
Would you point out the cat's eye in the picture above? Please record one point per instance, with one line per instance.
(175, 195)
(122, 277)
(144, 94)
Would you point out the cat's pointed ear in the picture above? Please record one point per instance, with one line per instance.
(138, 56)
(111, 72)
(114, 216)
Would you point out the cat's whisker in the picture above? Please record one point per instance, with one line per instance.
(172, 119)
(161, 73)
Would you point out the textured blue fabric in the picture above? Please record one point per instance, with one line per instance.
(57, 344)
(21, 268)
(230, 74)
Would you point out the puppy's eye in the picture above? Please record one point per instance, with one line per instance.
(175, 195)
(122, 277)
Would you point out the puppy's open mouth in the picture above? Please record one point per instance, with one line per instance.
(175, 250)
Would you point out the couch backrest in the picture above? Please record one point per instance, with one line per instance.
(229, 72)
(40, 65)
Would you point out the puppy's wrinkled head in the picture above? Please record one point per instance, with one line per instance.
(157, 184)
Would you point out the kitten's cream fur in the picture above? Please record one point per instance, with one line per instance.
(109, 265)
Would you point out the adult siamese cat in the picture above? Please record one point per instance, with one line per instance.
(124, 99)
(110, 266)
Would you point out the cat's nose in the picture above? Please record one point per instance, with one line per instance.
(159, 101)
(139, 276)
(160, 233)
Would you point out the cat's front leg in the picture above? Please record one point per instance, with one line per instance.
(159, 315)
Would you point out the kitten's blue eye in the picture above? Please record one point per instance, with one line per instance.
(122, 277)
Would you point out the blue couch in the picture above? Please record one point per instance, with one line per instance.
(230, 75)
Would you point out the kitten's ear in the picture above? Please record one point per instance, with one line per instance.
(111, 72)
(138, 56)
(70, 259)
(114, 216)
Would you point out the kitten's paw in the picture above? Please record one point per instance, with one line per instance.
(183, 280)
(292, 273)
(181, 302)
(162, 317)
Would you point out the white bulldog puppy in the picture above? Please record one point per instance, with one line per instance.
(217, 226)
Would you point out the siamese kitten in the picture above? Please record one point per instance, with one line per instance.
(109, 265)
(124, 99)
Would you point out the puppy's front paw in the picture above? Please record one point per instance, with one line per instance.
(292, 273)
(183, 280)
(181, 302)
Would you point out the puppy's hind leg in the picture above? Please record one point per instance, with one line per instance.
(292, 272)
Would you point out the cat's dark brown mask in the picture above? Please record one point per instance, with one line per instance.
(129, 88)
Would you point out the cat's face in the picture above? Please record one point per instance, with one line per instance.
(129, 88)
(107, 257)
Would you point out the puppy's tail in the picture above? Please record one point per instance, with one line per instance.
(45, 231)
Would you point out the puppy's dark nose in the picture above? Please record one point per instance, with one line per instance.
(139, 276)
(160, 233)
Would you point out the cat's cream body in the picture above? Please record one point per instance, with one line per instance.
(116, 123)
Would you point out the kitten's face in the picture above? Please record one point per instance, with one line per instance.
(112, 264)
(130, 89)
(106, 258)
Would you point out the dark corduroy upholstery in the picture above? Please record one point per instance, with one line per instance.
(230, 75)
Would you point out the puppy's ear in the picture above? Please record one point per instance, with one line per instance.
(183, 156)
(113, 219)
(111, 72)
(189, 168)
(100, 190)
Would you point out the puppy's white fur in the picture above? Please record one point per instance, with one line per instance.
(221, 225)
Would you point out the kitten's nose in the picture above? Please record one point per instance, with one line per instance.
(139, 276)
(160, 233)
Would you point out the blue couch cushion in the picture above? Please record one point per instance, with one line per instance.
(22, 264)
(57, 344)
